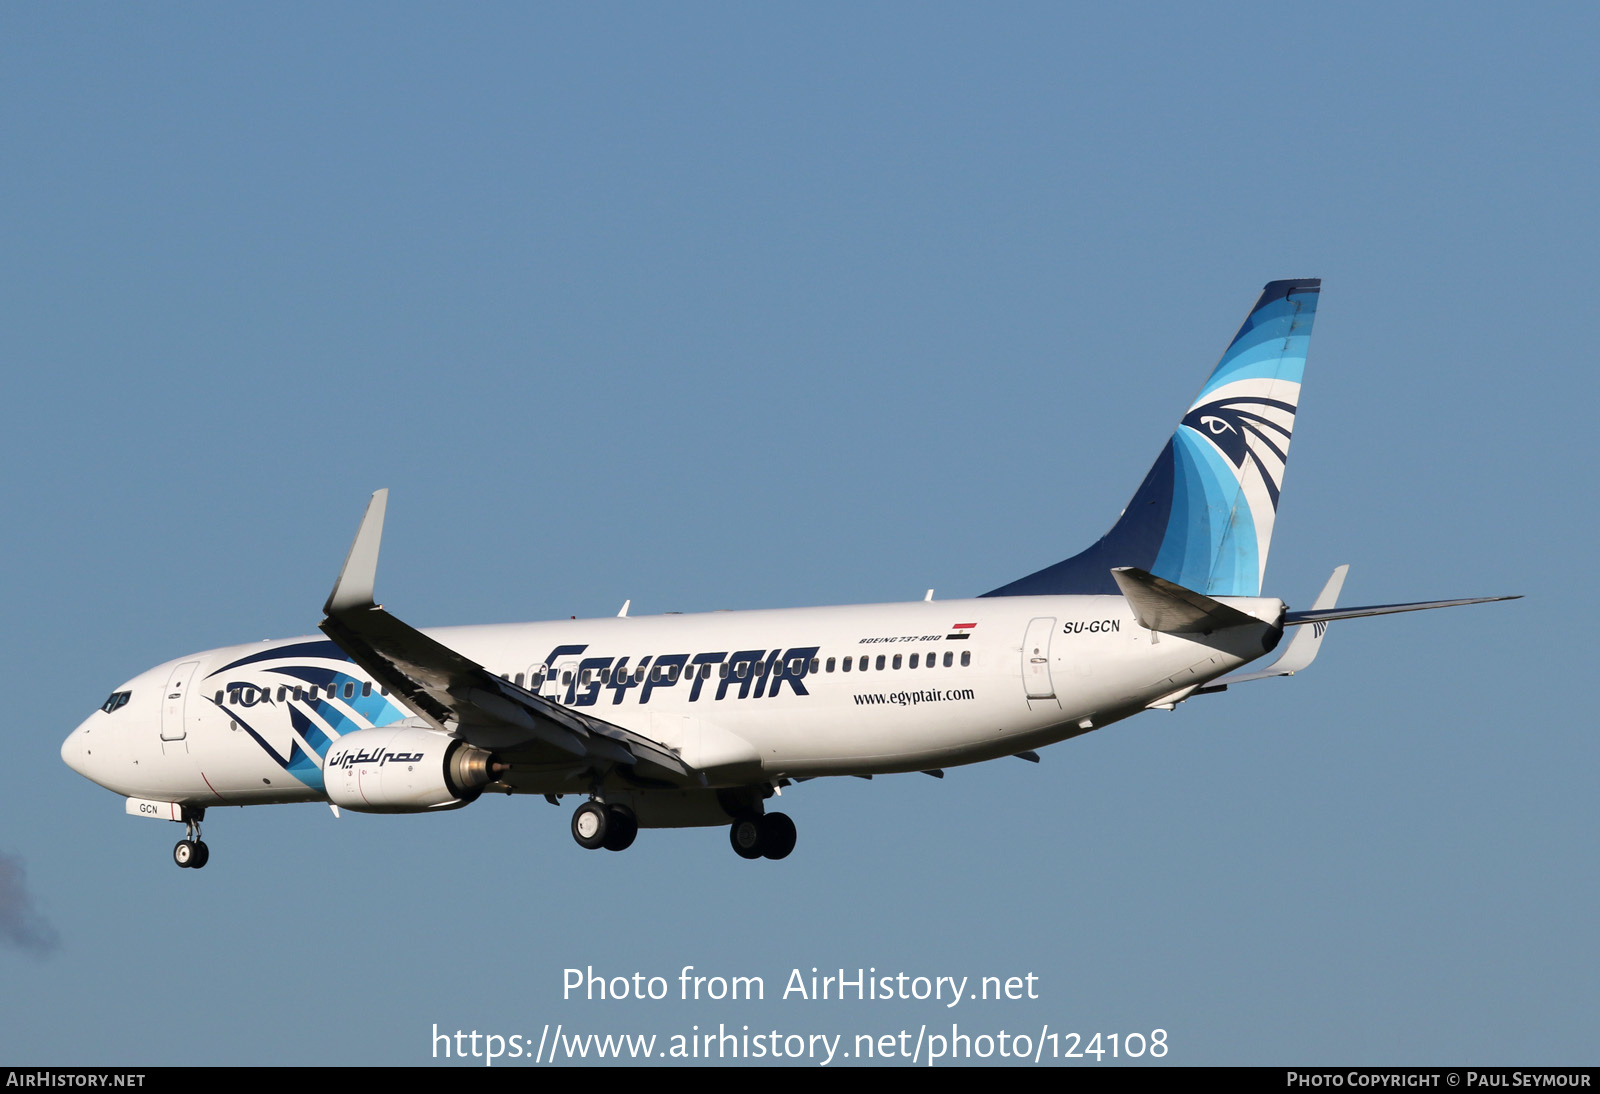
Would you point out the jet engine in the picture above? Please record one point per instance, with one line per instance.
(404, 769)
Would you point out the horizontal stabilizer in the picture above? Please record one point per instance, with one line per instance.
(1302, 648)
(1161, 605)
(1294, 619)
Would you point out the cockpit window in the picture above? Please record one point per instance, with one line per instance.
(118, 699)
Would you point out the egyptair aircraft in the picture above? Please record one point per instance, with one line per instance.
(699, 720)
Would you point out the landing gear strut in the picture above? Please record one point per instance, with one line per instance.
(191, 853)
(596, 825)
(771, 835)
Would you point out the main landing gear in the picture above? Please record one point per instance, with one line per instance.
(770, 835)
(596, 825)
(191, 853)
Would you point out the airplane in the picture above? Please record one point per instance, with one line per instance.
(698, 720)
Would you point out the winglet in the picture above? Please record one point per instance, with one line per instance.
(354, 587)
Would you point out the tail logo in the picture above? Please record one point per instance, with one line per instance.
(1246, 428)
(1203, 516)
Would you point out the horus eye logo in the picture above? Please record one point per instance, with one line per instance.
(1247, 430)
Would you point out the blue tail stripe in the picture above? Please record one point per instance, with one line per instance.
(1274, 343)
(1189, 524)
(1223, 553)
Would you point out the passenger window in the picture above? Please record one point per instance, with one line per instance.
(722, 670)
(966, 658)
(815, 662)
(332, 689)
(879, 665)
(947, 658)
(566, 677)
(366, 688)
(913, 661)
(111, 703)
(350, 691)
(846, 666)
(897, 660)
(605, 676)
(830, 665)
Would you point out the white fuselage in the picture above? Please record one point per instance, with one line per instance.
(742, 696)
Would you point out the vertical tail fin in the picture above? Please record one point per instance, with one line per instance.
(1203, 516)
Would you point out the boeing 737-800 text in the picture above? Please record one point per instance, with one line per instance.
(697, 720)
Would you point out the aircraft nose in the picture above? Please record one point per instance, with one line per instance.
(74, 751)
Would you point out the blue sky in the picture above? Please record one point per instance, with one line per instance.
(727, 306)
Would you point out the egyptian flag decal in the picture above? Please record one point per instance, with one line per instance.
(961, 630)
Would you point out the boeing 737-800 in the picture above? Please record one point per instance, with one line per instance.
(698, 720)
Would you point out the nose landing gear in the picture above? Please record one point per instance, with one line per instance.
(191, 853)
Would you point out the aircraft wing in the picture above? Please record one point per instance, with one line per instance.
(457, 695)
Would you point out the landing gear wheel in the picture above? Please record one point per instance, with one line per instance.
(745, 835)
(185, 853)
(777, 835)
(589, 824)
(202, 855)
(621, 827)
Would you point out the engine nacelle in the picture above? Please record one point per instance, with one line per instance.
(404, 769)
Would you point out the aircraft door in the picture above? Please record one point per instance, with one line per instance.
(1036, 659)
(172, 701)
